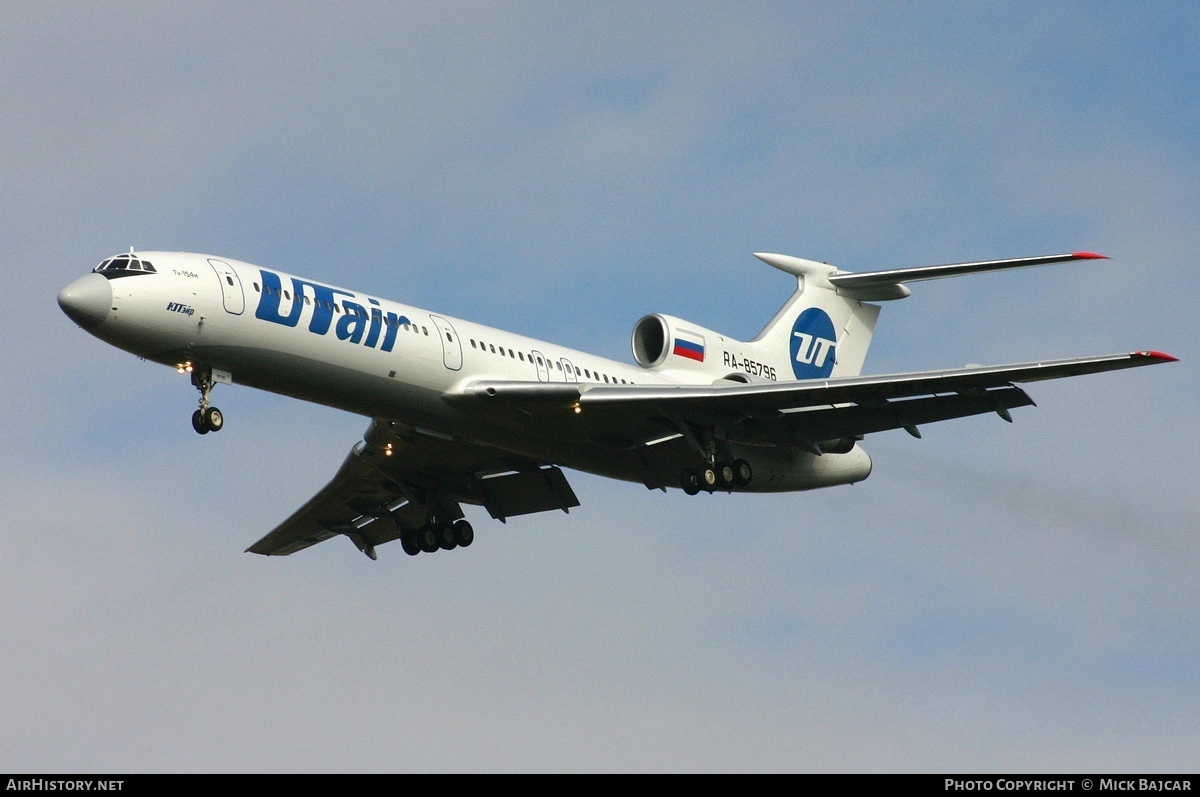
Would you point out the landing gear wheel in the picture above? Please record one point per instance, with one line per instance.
(708, 478)
(208, 418)
(725, 475)
(689, 480)
(445, 536)
(464, 535)
(213, 419)
(408, 541)
(427, 538)
(741, 472)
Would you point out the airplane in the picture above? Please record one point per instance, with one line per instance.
(462, 413)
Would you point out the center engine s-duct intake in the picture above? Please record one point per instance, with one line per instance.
(651, 340)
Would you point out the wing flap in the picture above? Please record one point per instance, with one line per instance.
(856, 420)
(527, 492)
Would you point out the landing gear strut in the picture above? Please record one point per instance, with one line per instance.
(207, 418)
(718, 471)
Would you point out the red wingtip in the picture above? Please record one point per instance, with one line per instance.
(1088, 256)
(1161, 356)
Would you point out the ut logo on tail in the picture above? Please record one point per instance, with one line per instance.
(813, 345)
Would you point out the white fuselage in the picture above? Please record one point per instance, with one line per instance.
(378, 358)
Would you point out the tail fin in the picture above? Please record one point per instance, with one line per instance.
(826, 332)
(826, 326)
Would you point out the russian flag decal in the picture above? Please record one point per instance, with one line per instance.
(690, 346)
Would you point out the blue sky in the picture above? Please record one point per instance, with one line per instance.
(993, 598)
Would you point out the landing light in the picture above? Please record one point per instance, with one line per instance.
(578, 409)
(387, 450)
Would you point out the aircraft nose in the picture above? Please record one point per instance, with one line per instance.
(87, 300)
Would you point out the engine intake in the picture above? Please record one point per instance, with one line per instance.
(651, 339)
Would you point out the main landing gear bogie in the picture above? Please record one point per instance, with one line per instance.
(721, 475)
(437, 536)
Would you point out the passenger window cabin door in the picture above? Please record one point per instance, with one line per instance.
(231, 287)
(452, 355)
(543, 365)
(568, 371)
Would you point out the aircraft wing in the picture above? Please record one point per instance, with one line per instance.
(803, 412)
(397, 477)
(352, 497)
(783, 395)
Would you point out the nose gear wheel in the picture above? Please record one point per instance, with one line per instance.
(208, 418)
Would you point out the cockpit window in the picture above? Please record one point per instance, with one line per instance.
(125, 263)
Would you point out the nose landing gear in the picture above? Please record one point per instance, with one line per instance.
(207, 418)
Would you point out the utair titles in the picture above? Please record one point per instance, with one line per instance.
(355, 324)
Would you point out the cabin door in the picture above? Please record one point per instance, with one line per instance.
(231, 287)
(452, 356)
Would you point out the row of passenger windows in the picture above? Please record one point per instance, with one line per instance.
(523, 357)
(390, 321)
(481, 346)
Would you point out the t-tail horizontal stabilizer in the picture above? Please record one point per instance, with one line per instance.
(878, 286)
